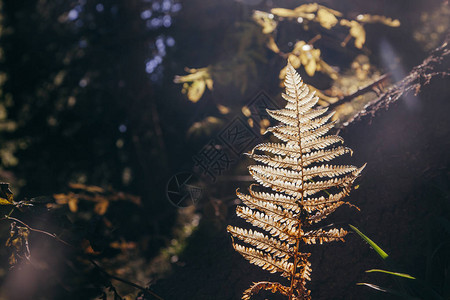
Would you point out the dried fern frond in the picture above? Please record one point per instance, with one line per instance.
(282, 204)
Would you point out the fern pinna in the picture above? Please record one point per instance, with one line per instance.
(303, 192)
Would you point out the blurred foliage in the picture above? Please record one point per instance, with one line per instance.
(194, 84)
(248, 46)
(87, 223)
(80, 102)
(204, 127)
(97, 195)
(82, 60)
(300, 53)
(433, 27)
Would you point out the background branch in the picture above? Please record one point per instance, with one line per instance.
(434, 65)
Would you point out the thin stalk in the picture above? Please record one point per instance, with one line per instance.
(297, 246)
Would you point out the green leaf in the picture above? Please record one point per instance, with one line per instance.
(391, 273)
(372, 244)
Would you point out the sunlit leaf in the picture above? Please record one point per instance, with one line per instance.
(123, 245)
(284, 12)
(223, 109)
(204, 127)
(391, 273)
(264, 123)
(87, 188)
(101, 207)
(265, 20)
(372, 244)
(326, 19)
(194, 84)
(307, 8)
(305, 11)
(195, 90)
(366, 18)
(332, 11)
(87, 248)
(73, 204)
(209, 83)
(272, 45)
(357, 31)
(246, 111)
(310, 67)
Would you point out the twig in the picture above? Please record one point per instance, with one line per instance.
(37, 230)
(143, 289)
(360, 91)
(314, 39)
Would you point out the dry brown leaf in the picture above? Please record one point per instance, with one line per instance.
(88, 188)
(101, 207)
(73, 204)
(87, 248)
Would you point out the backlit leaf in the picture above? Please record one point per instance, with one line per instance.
(272, 45)
(194, 84)
(326, 19)
(223, 109)
(195, 90)
(265, 20)
(357, 31)
(366, 18)
(101, 207)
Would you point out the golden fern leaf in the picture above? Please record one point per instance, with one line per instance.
(280, 205)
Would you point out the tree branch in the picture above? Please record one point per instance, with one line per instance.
(37, 230)
(360, 91)
(434, 65)
(143, 289)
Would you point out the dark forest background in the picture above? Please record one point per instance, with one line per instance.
(94, 131)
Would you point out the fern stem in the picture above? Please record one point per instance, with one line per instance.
(294, 270)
